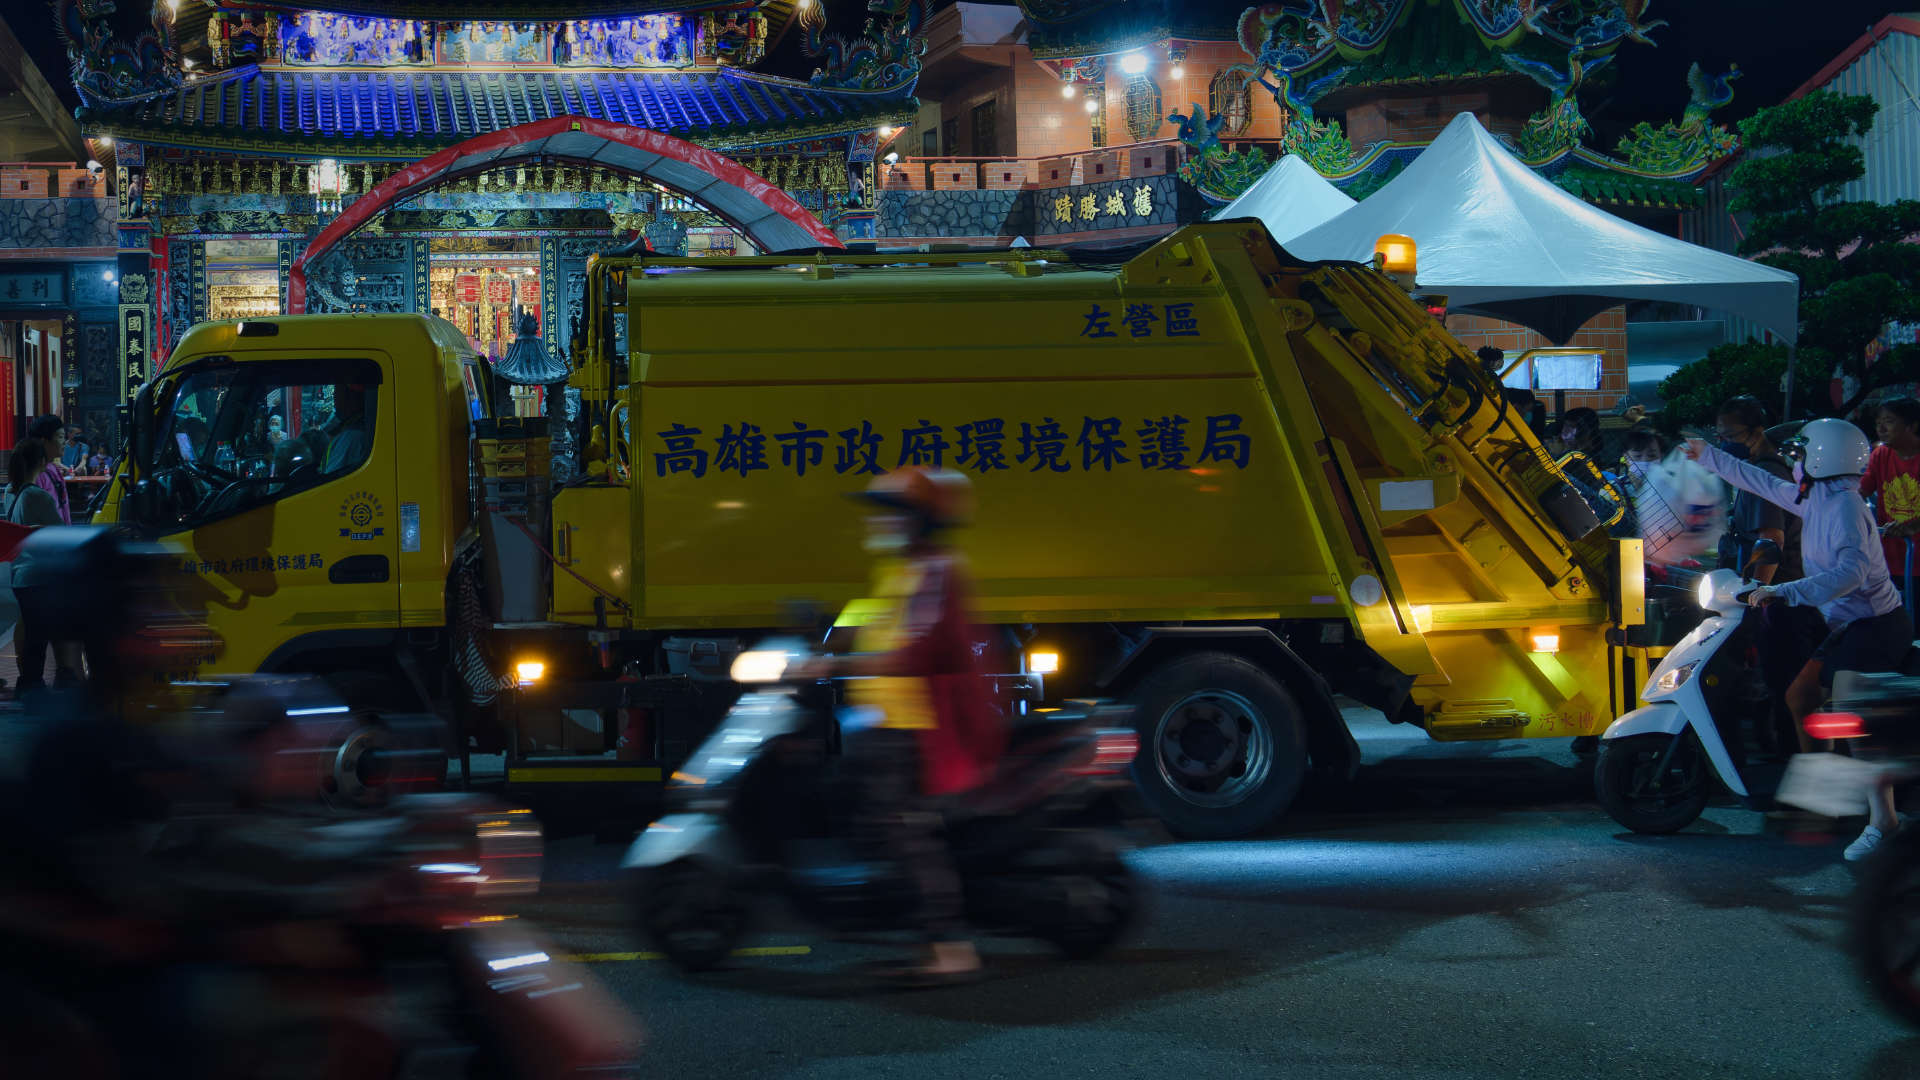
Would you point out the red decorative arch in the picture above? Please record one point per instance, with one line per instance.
(735, 193)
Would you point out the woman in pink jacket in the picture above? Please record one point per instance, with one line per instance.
(52, 433)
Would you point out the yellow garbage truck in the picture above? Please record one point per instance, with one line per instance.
(1220, 483)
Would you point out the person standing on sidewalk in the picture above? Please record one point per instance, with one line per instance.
(51, 434)
(29, 504)
(1892, 481)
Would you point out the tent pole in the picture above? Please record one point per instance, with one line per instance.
(1792, 355)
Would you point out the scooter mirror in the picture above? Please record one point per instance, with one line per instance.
(1765, 553)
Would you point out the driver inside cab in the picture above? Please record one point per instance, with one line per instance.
(347, 435)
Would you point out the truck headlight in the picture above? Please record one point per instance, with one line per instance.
(1043, 663)
(528, 672)
(1675, 678)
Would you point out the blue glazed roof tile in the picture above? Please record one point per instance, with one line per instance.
(442, 107)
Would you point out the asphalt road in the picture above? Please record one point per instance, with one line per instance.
(1460, 912)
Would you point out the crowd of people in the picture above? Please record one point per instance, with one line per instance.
(37, 494)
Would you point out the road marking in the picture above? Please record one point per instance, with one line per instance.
(621, 957)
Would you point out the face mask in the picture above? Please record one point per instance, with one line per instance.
(884, 537)
(1736, 450)
(1638, 468)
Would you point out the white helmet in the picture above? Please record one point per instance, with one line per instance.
(1833, 448)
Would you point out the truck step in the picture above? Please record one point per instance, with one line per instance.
(582, 770)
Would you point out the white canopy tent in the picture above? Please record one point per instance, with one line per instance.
(1289, 199)
(1497, 239)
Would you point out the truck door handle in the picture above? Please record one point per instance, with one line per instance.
(358, 570)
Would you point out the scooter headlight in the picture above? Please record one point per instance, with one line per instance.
(1719, 591)
(1676, 678)
(760, 666)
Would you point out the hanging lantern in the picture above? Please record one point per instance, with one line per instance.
(528, 363)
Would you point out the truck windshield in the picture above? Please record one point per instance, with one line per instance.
(230, 437)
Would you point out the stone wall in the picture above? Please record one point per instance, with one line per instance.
(1156, 202)
(56, 223)
(955, 213)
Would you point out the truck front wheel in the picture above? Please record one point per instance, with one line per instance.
(1223, 747)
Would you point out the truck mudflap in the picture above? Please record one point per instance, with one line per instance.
(1668, 718)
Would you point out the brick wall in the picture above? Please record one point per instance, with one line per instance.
(1052, 124)
(23, 183)
(955, 176)
(1036, 120)
(1606, 332)
(1046, 123)
(997, 86)
(1003, 175)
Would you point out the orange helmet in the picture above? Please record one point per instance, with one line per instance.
(942, 498)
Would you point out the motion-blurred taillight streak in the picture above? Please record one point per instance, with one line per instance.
(1835, 725)
(1113, 750)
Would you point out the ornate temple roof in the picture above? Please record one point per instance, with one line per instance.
(381, 113)
(778, 11)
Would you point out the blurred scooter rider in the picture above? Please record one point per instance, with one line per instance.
(936, 732)
(1846, 575)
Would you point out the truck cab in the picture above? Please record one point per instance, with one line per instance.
(311, 475)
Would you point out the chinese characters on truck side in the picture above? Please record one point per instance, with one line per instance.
(1175, 320)
(252, 564)
(1162, 444)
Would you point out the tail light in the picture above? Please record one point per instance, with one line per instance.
(1835, 725)
(1113, 751)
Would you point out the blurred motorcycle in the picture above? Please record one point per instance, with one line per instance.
(1875, 715)
(175, 901)
(760, 808)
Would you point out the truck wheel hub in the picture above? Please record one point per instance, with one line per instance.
(1213, 747)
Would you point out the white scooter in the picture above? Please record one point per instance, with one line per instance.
(1653, 775)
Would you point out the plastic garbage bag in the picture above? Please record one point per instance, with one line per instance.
(1682, 511)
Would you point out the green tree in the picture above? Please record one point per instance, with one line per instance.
(1693, 394)
(1857, 269)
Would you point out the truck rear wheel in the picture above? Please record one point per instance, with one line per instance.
(1223, 747)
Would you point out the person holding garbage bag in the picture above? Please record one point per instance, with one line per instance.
(1678, 507)
(1846, 573)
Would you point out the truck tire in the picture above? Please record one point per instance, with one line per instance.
(1223, 746)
